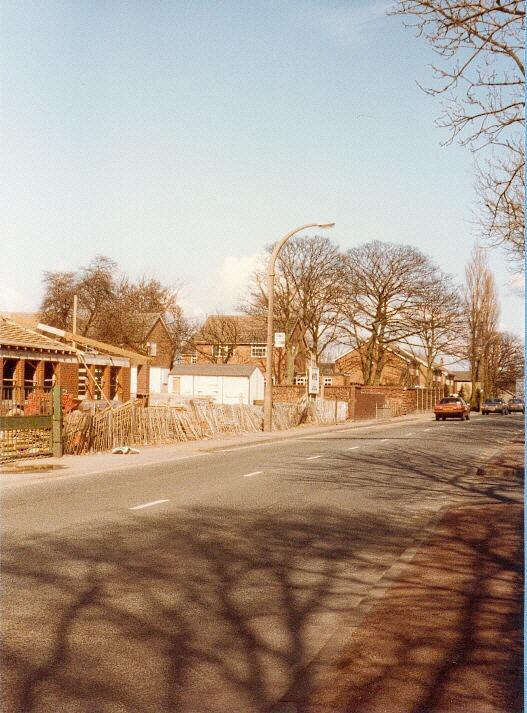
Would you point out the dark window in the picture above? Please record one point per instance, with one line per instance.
(450, 401)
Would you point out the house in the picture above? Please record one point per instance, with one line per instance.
(105, 372)
(402, 368)
(157, 343)
(222, 383)
(34, 358)
(242, 339)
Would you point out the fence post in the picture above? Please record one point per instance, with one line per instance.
(56, 423)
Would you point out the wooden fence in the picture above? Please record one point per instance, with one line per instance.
(30, 424)
(135, 425)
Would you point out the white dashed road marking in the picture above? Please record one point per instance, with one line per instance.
(353, 448)
(148, 505)
(255, 472)
(313, 457)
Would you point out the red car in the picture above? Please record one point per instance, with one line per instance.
(452, 407)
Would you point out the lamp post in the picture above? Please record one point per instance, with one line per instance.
(268, 398)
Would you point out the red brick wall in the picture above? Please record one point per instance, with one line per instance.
(288, 394)
(165, 347)
(143, 377)
(68, 377)
(124, 381)
(395, 371)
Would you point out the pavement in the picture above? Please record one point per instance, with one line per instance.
(251, 573)
(442, 633)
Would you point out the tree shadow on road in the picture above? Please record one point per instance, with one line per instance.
(198, 610)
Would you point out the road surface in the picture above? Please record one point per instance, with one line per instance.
(212, 584)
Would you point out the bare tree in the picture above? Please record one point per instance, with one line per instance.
(112, 307)
(56, 308)
(309, 282)
(481, 307)
(481, 79)
(386, 284)
(438, 323)
(503, 363)
(96, 290)
(218, 337)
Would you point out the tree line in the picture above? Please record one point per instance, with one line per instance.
(371, 298)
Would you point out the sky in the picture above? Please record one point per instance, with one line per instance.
(181, 138)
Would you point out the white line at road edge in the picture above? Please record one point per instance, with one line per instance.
(147, 505)
(427, 429)
(353, 448)
(313, 457)
(384, 439)
(256, 472)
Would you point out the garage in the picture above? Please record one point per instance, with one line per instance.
(221, 383)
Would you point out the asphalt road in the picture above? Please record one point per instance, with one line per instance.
(210, 584)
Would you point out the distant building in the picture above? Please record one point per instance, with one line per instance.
(402, 368)
(242, 339)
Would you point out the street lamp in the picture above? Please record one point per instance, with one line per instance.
(268, 398)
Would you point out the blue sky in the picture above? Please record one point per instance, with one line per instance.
(179, 138)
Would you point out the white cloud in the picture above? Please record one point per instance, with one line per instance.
(233, 279)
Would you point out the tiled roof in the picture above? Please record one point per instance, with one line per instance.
(233, 328)
(24, 319)
(16, 335)
(213, 369)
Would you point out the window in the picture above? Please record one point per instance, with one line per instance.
(300, 380)
(258, 350)
(193, 359)
(151, 348)
(222, 350)
(328, 381)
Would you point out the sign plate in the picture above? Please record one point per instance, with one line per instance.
(313, 380)
(279, 339)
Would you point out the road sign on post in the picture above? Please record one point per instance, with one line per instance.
(313, 380)
(279, 339)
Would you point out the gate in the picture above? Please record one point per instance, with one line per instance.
(30, 423)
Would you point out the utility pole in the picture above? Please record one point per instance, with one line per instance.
(74, 317)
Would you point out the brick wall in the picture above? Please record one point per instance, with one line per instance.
(124, 381)
(164, 346)
(143, 379)
(288, 394)
(68, 377)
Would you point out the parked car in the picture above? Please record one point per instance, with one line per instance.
(494, 406)
(517, 405)
(452, 407)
